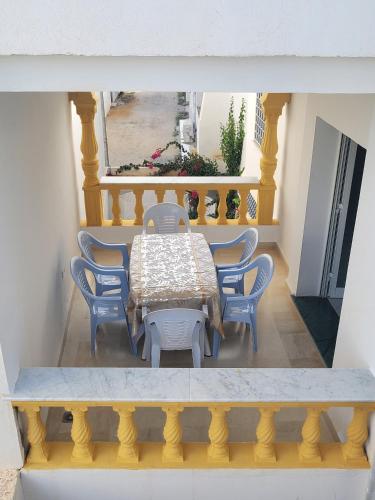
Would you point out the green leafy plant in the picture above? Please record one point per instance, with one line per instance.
(232, 136)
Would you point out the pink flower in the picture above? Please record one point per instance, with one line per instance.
(196, 167)
(150, 165)
(194, 195)
(183, 173)
(156, 154)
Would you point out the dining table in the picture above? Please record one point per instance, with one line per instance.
(172, 271)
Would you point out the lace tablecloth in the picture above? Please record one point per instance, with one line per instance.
(173, 270)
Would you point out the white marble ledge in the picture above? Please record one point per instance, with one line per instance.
(153, 180)
(241, 385)
(283, 385)
(102, 384)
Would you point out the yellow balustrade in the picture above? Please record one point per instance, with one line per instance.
(357, 434)
(222, 219)
(219, 452)
(81, 435)
(36, 434)
(202, 206)
(161, 185)
(160, 192)
(138, 209)
(309, 448)
(116, 209)
(272, 108)
(127, 435)
(85, 104)
(265, 449)
(172, 450)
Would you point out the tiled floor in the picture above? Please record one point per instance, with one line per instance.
(283, 342)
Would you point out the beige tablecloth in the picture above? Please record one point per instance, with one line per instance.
(173, 270)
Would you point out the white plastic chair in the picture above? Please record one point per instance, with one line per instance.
(243, 308)
(174, 330)
(104, 282)
(166, 218)
(250, 239)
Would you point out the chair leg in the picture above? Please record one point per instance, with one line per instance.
(196, 351)
(216, 344)
(155, 355)
(206, 344)
(132, 341)
(94, 325)
(146, 352)
(241, 285)
(253, 321)
(98, 289)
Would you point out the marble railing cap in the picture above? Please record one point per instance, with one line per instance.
(242, 385)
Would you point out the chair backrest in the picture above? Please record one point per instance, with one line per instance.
(166, 218)
(250, 237)
(86, 242)
(265, 268)
(174, 327)
(78, 267)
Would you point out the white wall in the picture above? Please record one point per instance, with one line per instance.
(259, 484)
(200, 74)
(350, 114)
(355, 344)
(318, 210)
(39, 223)
(239, 28)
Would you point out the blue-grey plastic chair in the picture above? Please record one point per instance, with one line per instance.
(250, 240)
(173, 330)
(103, 282)
(103, 308)
(166, 218)
(240, 307)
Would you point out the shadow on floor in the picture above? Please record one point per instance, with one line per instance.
(322, 322)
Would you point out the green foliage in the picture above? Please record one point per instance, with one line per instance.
(232, 137)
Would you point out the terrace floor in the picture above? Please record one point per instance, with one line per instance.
(283, 341)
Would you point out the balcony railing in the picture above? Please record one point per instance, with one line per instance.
(182, 185)
(92, 187)
(125, 390)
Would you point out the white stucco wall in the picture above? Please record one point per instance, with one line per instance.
(39, 223)
(260, 484)
(350, 114)
(239, 28)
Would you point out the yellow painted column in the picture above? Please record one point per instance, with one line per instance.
(309, 448)
(218, 449)
(172, 450)
(36, 435)
(266, 432)
(85, 104)
(127, 435)
(159, 195)
(222, 219)
(242, 219)
(272, 109)
(116, 209)
(357, 435)
(81, 436)
(202, 206)
(180, 193)
(138, 209)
